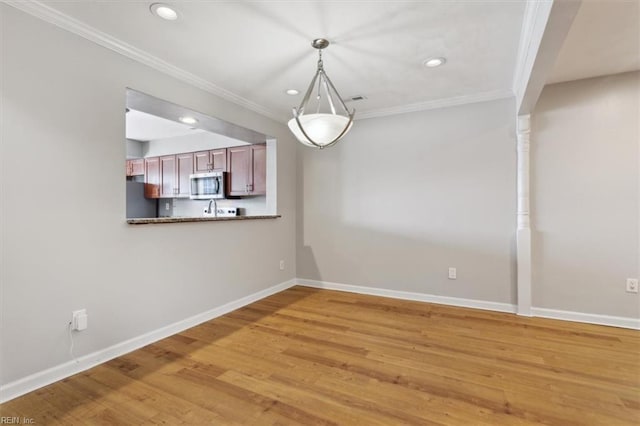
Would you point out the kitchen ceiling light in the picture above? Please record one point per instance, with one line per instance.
(188, 120)
(292, 92)
(163, 11)
(321, 130)
(434, 62)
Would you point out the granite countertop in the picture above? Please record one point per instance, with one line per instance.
(146, 221)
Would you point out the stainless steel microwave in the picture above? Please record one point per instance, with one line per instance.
(207, 186)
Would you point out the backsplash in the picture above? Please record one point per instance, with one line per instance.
(251, 206)
(165, 207)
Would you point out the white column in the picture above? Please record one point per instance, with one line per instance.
(523, 236)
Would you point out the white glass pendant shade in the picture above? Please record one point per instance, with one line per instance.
(323, 129)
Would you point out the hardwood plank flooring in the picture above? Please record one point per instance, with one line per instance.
(319, 357)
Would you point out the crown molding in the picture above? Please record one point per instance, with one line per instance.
(66, 22)
(437, 103)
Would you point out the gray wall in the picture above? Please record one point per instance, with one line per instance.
(404, 197)
(133, 149)
(585, 147)
(65, 243)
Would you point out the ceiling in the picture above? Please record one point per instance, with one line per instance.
(145, 127)
(250, 52)
(255, 50)
(604, 39)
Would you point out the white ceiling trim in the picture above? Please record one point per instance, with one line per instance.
(531, 21)
(536, 17)
(437, 103)
(548, 36)
(48, 14)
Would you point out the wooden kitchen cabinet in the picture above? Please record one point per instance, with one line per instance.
(135, 167)
(152, 177)
(174, 175)
(167, 176)
(259, 169)
(247, 167)
(184, 168)
(210, 161)
(219, 160)
(201, 161)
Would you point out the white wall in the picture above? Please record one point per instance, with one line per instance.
(69, 247)
(404, 197)
(585, 159)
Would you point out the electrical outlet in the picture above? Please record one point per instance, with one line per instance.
(282, 265)
(632, 285)
(79, 320)
(453, 273)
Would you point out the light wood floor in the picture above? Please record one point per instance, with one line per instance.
(317, 357)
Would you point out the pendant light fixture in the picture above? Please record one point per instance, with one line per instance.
(321, 129)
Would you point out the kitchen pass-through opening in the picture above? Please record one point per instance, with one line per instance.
(181, 163)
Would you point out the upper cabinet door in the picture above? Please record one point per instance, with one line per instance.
(219, 160)
(210, 161)
(152, 177)
(168, 184)
(137, 167)
(202, 161)
(184, 168)
(247, 167)
(238, 166)
(258, 170)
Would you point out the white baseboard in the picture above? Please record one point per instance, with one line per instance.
(407, 295)
(623, 322)
(43, 378)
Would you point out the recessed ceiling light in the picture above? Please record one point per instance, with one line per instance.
(434, 62)
(188, 120)
(163, 11)
(292, 92)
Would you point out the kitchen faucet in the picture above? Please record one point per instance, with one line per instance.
(215, 203)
